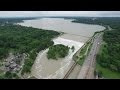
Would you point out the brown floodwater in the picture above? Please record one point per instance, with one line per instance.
(76, 34)
(75, 31)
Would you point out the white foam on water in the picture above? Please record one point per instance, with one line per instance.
(64, 64)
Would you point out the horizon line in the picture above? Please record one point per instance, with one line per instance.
(53, 16)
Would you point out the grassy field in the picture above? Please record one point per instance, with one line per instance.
(83, 53)
(81, 60)
(107, 74)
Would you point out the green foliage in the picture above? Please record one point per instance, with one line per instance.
(84, 52)
(107, 73)
(27, 66)
(111, 21)
(24, 39)
(3, 52)
(14, 20)
(57, 51)
(21, 39)
(110, 54)
(9, 75)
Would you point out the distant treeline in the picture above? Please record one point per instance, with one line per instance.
(110, 55)
(14, 20)
(113, 22)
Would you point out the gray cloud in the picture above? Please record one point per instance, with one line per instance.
(59, 13)
(111, 13)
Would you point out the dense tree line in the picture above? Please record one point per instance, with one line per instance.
(14, 20)
(110, 55)
(21, 39)
(57, 51)
(111, 21)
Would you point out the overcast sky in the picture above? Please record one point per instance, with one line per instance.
(59, 13)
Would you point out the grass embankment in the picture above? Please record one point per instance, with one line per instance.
(84, 50)
(106, 73)
(83, 53)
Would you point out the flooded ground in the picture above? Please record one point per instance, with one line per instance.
(44, 68)
(76, 34)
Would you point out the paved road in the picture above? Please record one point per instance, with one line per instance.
(87, 70)
(90, 74)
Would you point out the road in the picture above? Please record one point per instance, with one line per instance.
(87, 69)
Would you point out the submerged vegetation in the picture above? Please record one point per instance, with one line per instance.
(57, 51)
